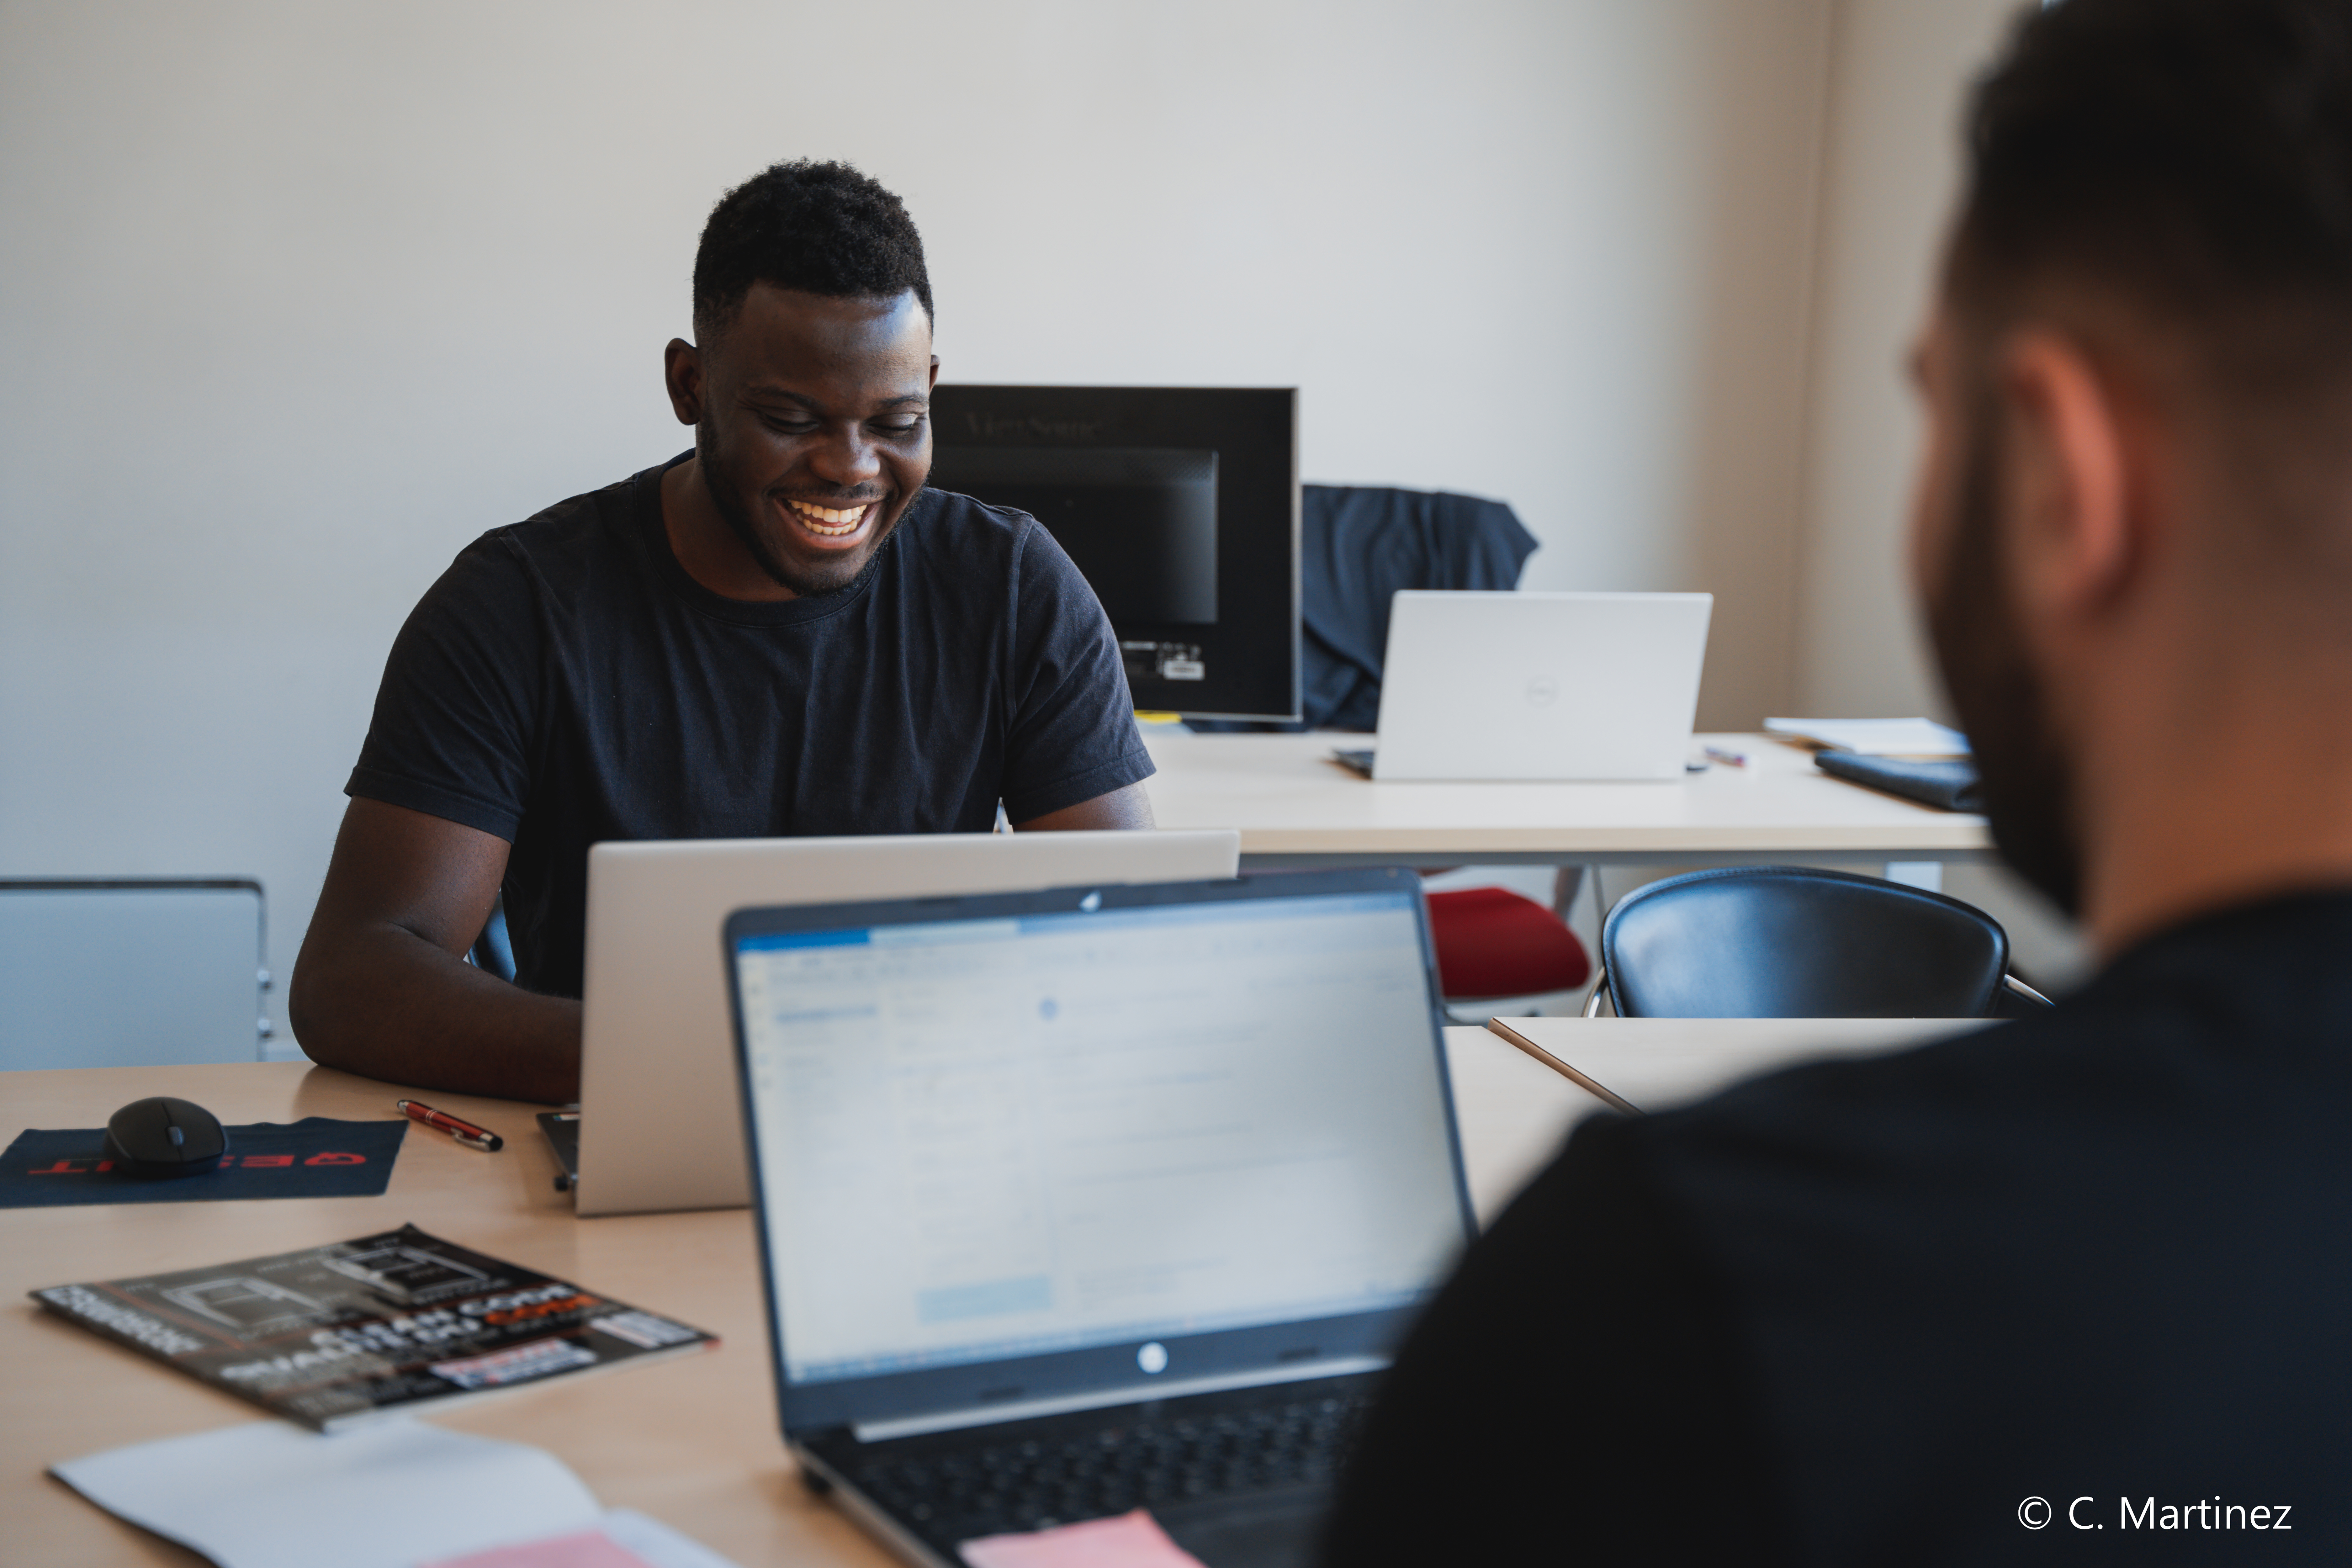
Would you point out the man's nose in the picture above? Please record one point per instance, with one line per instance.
(847, 458)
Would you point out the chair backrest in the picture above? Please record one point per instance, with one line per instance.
(1788, 941)
(493, 951)
(131, 972)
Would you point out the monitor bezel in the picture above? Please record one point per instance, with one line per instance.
(1253, 668)
(1296, 1348)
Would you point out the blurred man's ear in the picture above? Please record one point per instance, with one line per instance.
(2068, 495)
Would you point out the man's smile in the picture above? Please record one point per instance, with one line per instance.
(830, 522)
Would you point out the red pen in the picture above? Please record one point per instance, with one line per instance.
(465, 1132)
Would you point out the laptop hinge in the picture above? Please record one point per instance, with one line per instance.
(1100, 1399)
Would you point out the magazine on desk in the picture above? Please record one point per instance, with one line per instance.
(339, 1333)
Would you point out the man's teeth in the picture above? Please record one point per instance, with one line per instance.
(826, 519)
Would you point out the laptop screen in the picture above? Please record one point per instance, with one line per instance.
(1110, 1119)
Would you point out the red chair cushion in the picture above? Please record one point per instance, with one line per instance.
(1493, 943)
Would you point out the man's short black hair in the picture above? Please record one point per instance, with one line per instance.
(821, 229)
(2193, 157)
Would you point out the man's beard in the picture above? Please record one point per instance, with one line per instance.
(725, 496)
(2028, 784)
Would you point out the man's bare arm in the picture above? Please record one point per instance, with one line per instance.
(381, 986)
(1125, 808)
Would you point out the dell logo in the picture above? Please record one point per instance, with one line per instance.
(1091, 902)
(1152, 1358)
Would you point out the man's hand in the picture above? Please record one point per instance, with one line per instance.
(381, 986)
(1124, 808)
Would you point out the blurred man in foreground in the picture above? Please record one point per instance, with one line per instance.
(2075, 1286)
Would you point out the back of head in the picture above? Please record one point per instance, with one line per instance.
(2187, 164)
(820, 228)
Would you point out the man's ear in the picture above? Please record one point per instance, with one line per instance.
(2074, 532)
(935, 371)
(682, 373)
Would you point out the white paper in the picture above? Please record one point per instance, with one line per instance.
(1877, 737)
(387, 1494)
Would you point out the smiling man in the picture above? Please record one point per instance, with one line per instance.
(781, 632)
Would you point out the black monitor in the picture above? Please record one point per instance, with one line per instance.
(1179, 504)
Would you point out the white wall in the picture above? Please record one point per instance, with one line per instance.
(1900, 71)
(300, 296)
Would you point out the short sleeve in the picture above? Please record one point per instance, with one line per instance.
(451, 735)
(1072, 733)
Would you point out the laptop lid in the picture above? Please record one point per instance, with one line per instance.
(1047, 1151)
(659, 1126)
(1541, 686)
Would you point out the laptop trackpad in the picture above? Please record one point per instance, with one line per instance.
(1258, 1530)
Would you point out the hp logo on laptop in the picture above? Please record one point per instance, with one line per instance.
(1152, 1358)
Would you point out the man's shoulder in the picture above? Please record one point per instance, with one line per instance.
(958, 531)
(2204, 1069)
(2217, 1021)
(965, 554)
(558, 550)
(575, 529)
(1935, 1122)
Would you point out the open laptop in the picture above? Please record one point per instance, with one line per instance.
(1537, 686)
(1104, 1199)
(659, 1127)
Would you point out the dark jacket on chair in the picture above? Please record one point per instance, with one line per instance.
(1357, 546)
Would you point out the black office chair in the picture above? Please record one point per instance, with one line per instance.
(1787, 941)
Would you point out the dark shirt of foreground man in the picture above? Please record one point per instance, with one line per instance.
(1859, 1312)
(2073, 1290)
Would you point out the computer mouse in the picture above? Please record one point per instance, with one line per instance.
(166, 1137)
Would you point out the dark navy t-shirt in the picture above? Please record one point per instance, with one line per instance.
(567, 682)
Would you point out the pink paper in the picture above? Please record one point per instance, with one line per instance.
(1125, 1540)
(589, 1549)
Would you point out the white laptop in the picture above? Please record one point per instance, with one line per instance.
(1079, 1202)
(660, 1124)
(1539, 686)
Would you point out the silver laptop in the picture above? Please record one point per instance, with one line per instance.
(660, 1127)
(1104, 1199)
(1539, 686)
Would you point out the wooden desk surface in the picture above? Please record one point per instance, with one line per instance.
(691, 1442)
(1291, 801)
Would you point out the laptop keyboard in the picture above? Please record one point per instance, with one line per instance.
(1045, 1480)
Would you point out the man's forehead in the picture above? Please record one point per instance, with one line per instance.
(787, 334)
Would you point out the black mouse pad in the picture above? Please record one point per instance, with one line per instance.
(312, 1158)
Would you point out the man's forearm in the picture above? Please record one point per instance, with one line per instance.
(381, 1001)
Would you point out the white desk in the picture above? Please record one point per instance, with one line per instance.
(692, 1442)
(1295, 807)
(1514, 1110)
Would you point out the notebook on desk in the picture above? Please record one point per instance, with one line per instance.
(1077, 1202)
(1540, 687)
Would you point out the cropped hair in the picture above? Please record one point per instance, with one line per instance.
(2192, 157)
(821, 229)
